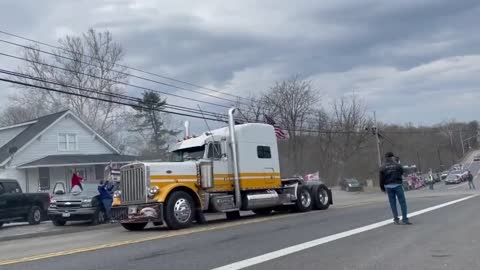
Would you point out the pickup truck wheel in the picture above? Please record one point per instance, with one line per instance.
(320, 197)
(134, 226)
(98, 217)
(304, 202)
(34, 215)
(179, 210)
(59, 222)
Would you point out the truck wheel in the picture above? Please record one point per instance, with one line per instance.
(304, 202)
(134, 226)
(34, 215)
(320, 197)
(59, 222)
(179, 210)
(263, 212)
(98, 217)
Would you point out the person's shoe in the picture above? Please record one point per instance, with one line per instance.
(406, 222)
(396, 221)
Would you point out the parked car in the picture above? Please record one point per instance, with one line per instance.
(443, 175)
(453, 179)
(351, 184)
(76, 205)
(16, 206)
(476, 158)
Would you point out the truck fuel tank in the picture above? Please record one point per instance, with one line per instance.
(257, 200)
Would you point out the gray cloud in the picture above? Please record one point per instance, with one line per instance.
(394, 53)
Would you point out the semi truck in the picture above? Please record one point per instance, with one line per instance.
(225, 170)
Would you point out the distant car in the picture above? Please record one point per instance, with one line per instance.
(77, 205)
(476, 158)
(351, 184)
(453, 179)
(17, 206)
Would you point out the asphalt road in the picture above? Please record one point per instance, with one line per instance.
(445, 238)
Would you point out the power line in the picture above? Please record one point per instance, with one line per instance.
(125, 66)
(102, 99)
(108, 94)
(113, 81)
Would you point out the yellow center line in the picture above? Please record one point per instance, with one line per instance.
(203, 228)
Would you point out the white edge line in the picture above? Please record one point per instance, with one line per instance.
(293, 249)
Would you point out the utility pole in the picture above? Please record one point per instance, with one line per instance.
(461, 141)
(379, 154)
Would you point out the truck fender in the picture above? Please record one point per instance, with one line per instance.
(167, 190)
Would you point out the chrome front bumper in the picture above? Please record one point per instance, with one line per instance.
(138, 213)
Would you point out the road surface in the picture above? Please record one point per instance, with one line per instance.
(445, 238)
(347, 236)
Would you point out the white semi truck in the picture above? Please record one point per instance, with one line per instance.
(224, 170)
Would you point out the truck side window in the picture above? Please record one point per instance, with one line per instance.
(264, 152)
(12, 188)
(214, 150)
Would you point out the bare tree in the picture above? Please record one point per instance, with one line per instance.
(291, 103)
(89, 61)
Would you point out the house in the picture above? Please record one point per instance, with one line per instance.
(41, 152)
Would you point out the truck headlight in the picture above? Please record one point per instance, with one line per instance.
(117, 194)
(86, 203)
(350, 185)
(152, 191)
(53, 203)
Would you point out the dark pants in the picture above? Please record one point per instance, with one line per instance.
(471, 185)
(431, 185)
(393, 194)
(107, 204)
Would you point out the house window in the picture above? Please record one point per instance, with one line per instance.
(264, 152)
(67, 142)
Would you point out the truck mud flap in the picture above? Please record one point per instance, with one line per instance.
(330, 197)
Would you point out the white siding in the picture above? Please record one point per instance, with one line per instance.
(32, 179)
(57, 174)
(11, 173)
(47, 144)
(8, 134)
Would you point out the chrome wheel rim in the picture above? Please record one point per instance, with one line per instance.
(182, 210)
(323, 196)
(305, 198)
(37, 215)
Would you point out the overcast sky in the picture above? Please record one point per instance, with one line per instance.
(411, 61)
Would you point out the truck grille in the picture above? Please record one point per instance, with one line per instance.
(133, 183)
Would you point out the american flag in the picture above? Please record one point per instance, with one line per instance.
(278, 130)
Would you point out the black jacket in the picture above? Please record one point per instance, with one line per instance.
(390, 173)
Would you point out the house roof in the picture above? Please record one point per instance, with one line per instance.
(71, 160)
(37, 126)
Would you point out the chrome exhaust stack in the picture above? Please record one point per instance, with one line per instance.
(187, 130)
(233, 144)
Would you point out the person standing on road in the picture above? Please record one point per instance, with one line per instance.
(471, 185)
(430, 181)
(105, 190)
(391, 182)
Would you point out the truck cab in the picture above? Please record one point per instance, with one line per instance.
(224, 170)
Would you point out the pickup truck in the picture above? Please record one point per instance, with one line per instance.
(16, 206)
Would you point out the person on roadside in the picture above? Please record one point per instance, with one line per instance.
(391, 183)
(105, 190)
(77, 180)
(471, 185)
(430, 181)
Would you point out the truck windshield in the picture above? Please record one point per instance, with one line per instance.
(194, 153)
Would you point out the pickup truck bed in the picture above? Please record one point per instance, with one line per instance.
(16, 206)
